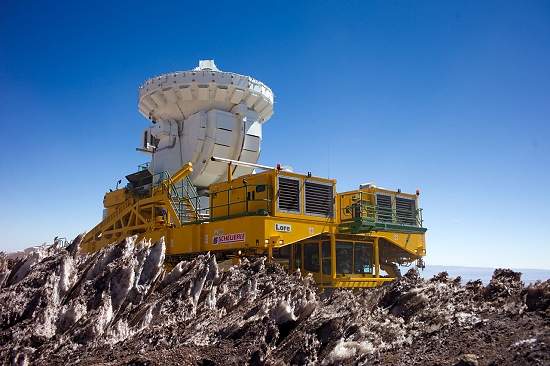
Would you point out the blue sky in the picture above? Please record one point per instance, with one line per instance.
(452, 98)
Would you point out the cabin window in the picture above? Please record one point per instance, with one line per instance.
(311, 257)
(260, 188)
(344, 257)
(353, 258)
(327, 262)
(362, 258)
(283, 252)
(282, 256)
(297, 256)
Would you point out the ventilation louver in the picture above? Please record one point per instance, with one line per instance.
(384, 208)
(319, 199)
(289, 194)
(405, 210)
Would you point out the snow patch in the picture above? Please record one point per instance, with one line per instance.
(525, 342)
(347, 350)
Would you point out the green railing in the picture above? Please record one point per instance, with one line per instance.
(186, 200)
(362, 215)
(245, 207)
(369, 212)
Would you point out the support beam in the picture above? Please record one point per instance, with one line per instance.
(184, 171)
(376, 258)
(229, 174)
(241, 163)
(333, 255)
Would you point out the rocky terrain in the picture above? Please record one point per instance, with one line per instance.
(120, 307)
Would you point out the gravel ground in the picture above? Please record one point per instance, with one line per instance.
(120, 307)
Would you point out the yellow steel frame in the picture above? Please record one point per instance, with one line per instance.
(137, 216)
(259, 234)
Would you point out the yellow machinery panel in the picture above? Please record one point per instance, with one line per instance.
(113, 199)
(244, 233)
(250, 194)
(277, 193)
(344, 240)
(311, 198)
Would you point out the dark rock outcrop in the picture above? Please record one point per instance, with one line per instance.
(120, 306)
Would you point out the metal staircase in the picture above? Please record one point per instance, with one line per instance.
(185, 200)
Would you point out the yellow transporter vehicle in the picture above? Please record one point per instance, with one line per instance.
(344, 239)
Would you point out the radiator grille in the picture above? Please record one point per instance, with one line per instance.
(384, 209)
(319, 199)
(289, 194)
(405, 209)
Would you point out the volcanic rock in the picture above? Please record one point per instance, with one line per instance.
(121, 306)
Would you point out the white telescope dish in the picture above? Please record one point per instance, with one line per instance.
(202, 113)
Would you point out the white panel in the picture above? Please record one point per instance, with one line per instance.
(237, 96)
(249, 156)
(204, 93)
(251, 143)
(251, 99)
(240, 109)
(260, 104)
(159, 98)
(221, 119)
(194, 134)
(185, 94)
(266, 113)
(220, 150)
(171, 96)
(143, 109)
(149, 102)
(216, 168)
(266, 108)
(241, 170)
(253, 128)
(202, 78)
(224, 137)
(240, 81)
(220, 94)
(213, 172)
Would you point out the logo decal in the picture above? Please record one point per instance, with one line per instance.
(283, 227)
(228, 238)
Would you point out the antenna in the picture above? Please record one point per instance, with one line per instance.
(328, 159)
(205, 112)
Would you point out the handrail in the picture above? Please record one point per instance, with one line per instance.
(240, 202)
(374, 213)
(183, 172)
(205, 213)
(188, 191)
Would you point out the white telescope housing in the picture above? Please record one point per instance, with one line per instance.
(202, 113)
